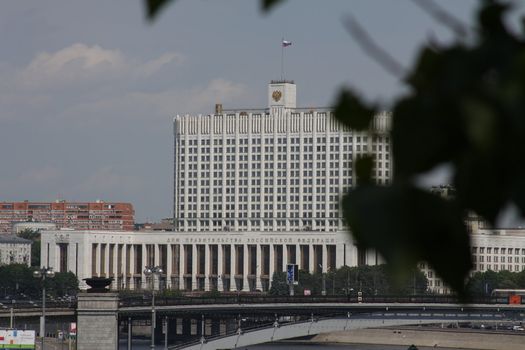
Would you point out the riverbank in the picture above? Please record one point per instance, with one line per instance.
(426, 338)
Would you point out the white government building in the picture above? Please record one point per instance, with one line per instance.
(253, 191)
(227, 261)
(281, 168)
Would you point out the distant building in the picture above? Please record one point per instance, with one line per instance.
(97, 215)
(492, 249)
(33, 226)
(14, 250)
(280, 168)
(164, 225)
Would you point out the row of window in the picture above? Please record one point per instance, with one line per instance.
(498, 250)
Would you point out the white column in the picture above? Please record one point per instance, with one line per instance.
(132, 266)
(298, 255)
(325, 258)
(194, 267)
(169, 265)
(182, 267)
(156, 255)
(271, 270)
(220, 268)
(116, 281)
(258, 268)
(233, 267)
(106, 260)
(285, 257)
(144, 263)
(339, 255)
(124, 267)
(245, 261)
(311, 266)
(98, 258)
(207, 270)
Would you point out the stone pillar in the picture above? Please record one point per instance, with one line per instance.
(97, 261)
(220, 268)
(97, 321)
(233, 268)
(258, 267)
(324, 258)
(285, 257)
(246, 266)
(172, 330)
(169, 265)
(311, 262)
(194, 260)
(271, 261)
(207, 268)
(182, 267)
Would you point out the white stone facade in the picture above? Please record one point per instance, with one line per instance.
(228, 261)
(492, 249)
(14, 250)
(277, 169)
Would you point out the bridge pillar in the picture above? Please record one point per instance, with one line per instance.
(172, 330)
(186, 327)
(159, 335)
(97, 321)
(215, 326)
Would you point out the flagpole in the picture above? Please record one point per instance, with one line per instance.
(282, 58)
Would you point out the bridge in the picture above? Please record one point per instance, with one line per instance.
(210, 322)
(230, 322)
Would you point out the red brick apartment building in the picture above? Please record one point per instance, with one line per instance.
(97, 215)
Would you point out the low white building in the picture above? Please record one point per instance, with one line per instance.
(14, 250)
(228, 261)
(492, 249)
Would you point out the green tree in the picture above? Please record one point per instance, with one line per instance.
(18, 279)
(464, 108)
(34, 237)
(279, 285)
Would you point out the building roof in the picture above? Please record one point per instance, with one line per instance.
(13, 239)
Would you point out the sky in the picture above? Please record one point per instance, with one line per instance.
(89, 89)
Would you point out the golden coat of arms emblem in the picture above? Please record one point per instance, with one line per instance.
(276, 95)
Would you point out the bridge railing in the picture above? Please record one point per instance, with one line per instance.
(145, 300)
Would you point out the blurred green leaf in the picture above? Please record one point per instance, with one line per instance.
(352, 111)
(363, 168)
(407, 225)
(154, 7)
(267, 5)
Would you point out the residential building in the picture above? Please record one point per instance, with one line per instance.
(281, 168)
(97, 215)
(14, 250)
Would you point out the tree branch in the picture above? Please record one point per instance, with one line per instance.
(442, 16)
(372, 49)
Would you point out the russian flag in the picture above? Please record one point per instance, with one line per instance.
(286, 43)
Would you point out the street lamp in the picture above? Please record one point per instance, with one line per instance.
(152, 271)
(323, 274)
(42, 274)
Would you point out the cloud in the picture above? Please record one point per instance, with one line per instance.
(79, 64)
